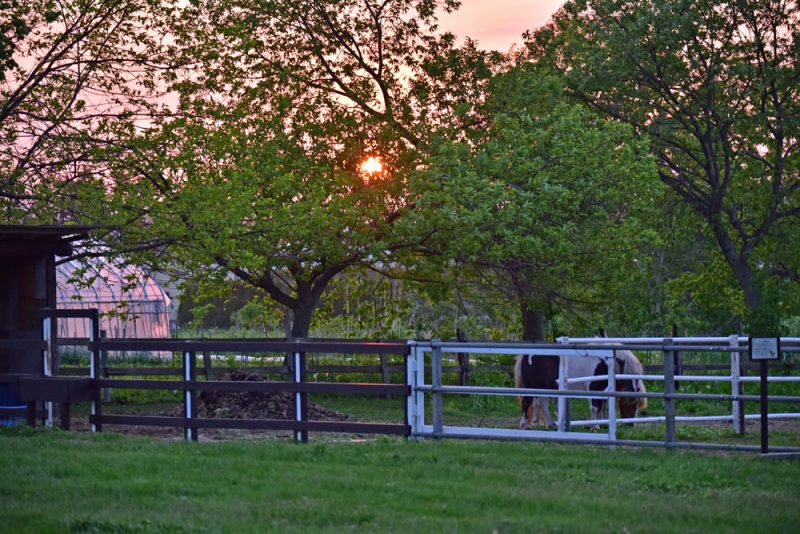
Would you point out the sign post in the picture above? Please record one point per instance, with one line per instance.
(762, 350)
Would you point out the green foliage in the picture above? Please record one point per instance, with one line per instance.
(261, 179)
(713, 86)
(13, 28)
(791, 325)
(549, 204)
(517, 210)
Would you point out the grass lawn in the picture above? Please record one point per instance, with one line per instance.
(503, 412)
(57, 481)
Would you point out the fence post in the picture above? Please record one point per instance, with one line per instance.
(669, 389)
(207, 368)
(47, 370)
(189, 394)
(96, 409)
(411, 376)
(419, 395)
(737, 406)
(611, 400)
(436, 382)
(563, 402)
(300, 399)
(408, 373)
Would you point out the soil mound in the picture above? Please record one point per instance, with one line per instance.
(251, 405)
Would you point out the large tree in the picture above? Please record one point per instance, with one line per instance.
(75, 77)
(715, 87)
(259, 174)
(547, 205)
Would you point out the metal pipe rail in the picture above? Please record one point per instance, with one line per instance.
(571, 393)
(591, 347)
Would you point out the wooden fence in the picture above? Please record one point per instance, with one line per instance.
(190, 385)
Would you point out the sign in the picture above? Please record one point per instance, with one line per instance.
(764, 348)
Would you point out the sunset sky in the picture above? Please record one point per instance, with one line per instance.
(497, 24)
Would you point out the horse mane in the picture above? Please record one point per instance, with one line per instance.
(632, 366)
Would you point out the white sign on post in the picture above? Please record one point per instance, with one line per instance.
(765, 348)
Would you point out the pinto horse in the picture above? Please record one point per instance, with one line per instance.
(625, 362)
(539, 372)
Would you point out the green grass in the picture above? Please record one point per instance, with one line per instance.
(65, 482)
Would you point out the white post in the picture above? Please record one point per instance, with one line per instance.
(562, 402)
(736, 406)
(93, 372)
(419, 381)
(48, 370)
(415, 401)
(612, 401)
(187, 394)
(410, 377)
(298, 401)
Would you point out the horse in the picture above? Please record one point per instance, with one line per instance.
(539, 372)
(625, 362)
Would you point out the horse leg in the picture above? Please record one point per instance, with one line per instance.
(531, 413)
(544, 410)
(596, 409)
(527, 413)
(536, 408)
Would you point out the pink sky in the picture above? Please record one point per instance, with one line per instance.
(497, 24)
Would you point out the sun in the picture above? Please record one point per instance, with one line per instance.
(371, 165)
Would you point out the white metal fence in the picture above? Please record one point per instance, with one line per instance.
(734, 346)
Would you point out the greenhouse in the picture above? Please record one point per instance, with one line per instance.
(131, 303)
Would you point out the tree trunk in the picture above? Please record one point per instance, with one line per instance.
(739, 262)
(301, 323)
(532, 324)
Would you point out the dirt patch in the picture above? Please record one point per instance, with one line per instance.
(217, 405)
(250, 405)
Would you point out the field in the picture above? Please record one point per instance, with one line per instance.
(56, 481)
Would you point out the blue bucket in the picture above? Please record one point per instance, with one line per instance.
(9, 398)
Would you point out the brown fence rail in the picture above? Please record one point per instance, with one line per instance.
(190, 386)
(67, 388)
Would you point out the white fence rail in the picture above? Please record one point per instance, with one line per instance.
(735, 346)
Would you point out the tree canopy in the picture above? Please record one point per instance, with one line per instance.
(547, 206)
(714, 85)
(77, 76)
(225, 139)
(258, 173)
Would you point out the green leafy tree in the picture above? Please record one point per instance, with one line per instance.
(546, 206)
(259, 176)
(714, 85)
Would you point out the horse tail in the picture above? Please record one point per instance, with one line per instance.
(642, 400)
(634, 367)
(519, 382)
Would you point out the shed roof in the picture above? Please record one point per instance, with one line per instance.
(28, 240)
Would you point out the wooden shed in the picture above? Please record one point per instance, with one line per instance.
(28, 284)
